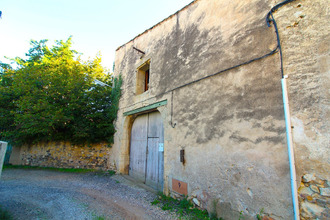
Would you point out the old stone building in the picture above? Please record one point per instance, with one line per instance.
(202, 113)
(215, 108)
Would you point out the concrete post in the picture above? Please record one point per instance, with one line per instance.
(3, 149)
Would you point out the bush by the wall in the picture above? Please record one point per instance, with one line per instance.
(54, 96)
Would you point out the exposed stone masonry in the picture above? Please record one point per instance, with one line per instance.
(314, 197)
(66, 155)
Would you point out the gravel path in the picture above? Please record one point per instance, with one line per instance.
(40, 194)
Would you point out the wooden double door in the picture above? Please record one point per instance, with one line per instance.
(147, 150)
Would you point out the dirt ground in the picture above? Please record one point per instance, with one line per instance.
(40, 194)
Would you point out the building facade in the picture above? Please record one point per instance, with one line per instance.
(202, 113)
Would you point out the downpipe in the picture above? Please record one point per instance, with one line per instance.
(293, 176)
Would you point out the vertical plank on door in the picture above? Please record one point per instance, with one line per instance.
(138, 148)
(156, 130)
(160, 169)
(152, 163)
(155, 125)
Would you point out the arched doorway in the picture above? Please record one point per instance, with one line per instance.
(147, 150)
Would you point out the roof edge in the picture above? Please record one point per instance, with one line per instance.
(172, 15)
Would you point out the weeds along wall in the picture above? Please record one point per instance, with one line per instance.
(63, 155)
(214, 70)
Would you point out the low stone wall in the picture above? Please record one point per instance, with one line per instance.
(3, 148)
(64, 155)
(314, 196)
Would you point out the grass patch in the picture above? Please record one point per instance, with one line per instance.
(260, 214)
(4, 215)
(67, 170)
(183, 207)
(111, 172)
(155, 202)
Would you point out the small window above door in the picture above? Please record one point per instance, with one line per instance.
(143, 78)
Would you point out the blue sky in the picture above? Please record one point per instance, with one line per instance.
(96, 26)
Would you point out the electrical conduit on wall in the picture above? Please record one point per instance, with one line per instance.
(290, 149)
(294, 190)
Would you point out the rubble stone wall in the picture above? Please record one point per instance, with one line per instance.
(64, 155)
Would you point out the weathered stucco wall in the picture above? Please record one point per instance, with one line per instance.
(63, 155)
(231, 125)
(305, 34)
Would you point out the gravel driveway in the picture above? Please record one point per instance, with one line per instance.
(40, 194)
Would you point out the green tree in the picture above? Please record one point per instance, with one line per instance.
(53, 96)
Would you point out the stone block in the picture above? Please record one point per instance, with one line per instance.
(3, 149)
(325, 191)
(305, 191)
(312, 209)
(308, 178)
(196, 202)
(314, 188)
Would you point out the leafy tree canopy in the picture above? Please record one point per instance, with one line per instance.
(54, 96)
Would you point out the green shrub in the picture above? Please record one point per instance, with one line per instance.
(54, 96)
